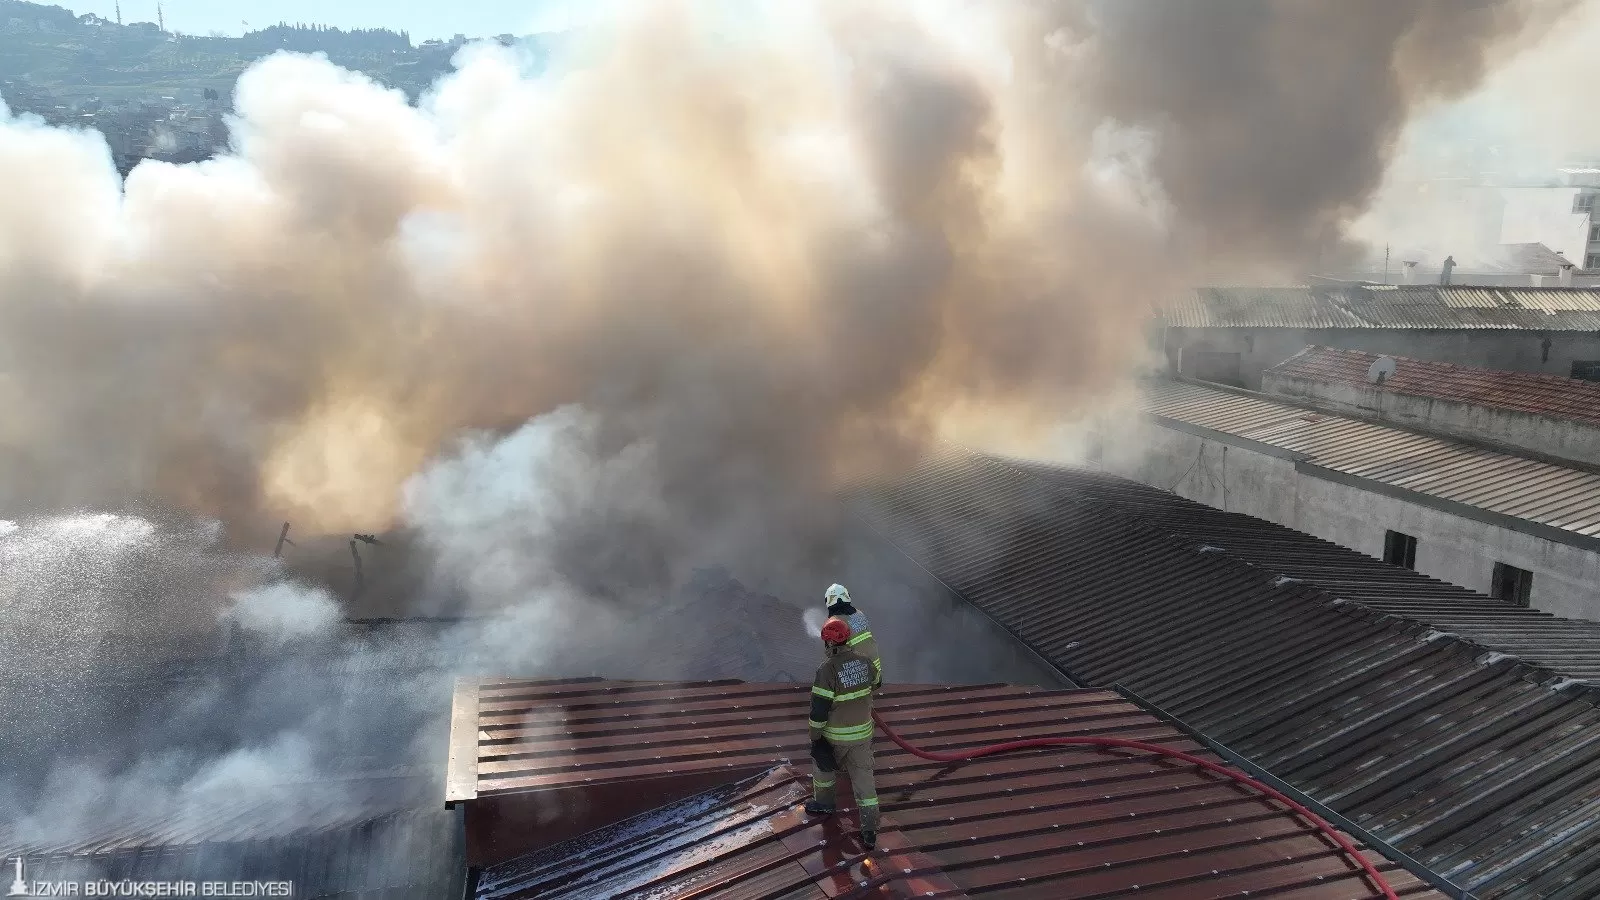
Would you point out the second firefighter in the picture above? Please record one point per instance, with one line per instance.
(841, 728)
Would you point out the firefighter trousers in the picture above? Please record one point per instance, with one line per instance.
(855, 762)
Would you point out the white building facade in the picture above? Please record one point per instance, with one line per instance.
(1524, 531)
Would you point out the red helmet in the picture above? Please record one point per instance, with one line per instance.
(835, 631)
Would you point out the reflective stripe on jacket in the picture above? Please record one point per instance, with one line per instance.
(841, 698)
(862, 642)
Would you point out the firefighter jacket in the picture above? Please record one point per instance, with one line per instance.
(841, 698)
(862, 642)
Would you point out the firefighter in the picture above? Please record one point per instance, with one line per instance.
(841, 729)
(837, 600)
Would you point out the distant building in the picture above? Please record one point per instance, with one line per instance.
(1230, 335)
(1508, 265)
(1521, 529)
(1545, 414)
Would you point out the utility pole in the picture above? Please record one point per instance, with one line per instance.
(1385, 263)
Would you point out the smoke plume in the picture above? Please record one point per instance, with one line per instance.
(560, 337)
(1274, 122)
(766, 244)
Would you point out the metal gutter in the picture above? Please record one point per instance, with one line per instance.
(1391, 852)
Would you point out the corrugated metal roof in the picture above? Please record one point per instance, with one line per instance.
(1569, 647)
(1540, 395)
(1056, 824)
(1388, 306)
(1562, 498)
(1259, 307)
(1480, 765)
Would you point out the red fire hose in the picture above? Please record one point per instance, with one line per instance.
(1316, 820)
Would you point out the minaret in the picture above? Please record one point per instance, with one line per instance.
(161, 22)
(119, 12)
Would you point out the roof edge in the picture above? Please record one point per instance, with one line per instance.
(461, 778)
(1318, 593)
(1333, 817)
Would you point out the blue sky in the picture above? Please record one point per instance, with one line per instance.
(437, 18)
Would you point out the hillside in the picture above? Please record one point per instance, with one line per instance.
(52, 57)
(157, 94)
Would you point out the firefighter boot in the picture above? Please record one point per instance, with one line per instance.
(821, 802)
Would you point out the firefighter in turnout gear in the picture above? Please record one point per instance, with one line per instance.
(838, 603)
(841, 728)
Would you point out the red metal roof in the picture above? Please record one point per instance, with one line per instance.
(1540, 395)
(1050, 824)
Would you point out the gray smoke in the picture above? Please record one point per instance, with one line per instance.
(563, 338)
(1275, 120)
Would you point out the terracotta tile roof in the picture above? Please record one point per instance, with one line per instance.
(1056, 824)
(1540, 395)
(1473, 761)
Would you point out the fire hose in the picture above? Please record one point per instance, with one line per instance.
(1299, 809)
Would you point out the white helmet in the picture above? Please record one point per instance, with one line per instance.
(836, 594)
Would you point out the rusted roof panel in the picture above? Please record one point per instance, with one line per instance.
(1057, 824)
(1539, 395)
(1482, 766)
(1562, 498)
(1388, 306)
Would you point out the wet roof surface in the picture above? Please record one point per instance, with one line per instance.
(1482, 766)
(1065, 823)
(1563, 498)
(1540, 395)
(1388, 306)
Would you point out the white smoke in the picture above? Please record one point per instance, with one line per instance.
(283, 612)
(813, 619)
(672, 292)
